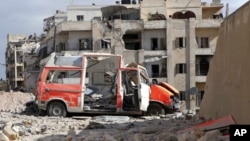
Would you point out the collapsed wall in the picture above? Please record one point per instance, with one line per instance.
(227, 86)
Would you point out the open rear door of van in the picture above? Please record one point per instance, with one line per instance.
(143, 88)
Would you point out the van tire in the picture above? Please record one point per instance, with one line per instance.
(155, 109)
(57, 109)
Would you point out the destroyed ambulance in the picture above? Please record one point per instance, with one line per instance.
(98, 83)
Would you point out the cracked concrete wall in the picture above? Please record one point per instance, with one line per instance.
(227, 87)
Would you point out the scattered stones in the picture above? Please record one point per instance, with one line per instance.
(15, 124)
(3, 137)
(12, 135)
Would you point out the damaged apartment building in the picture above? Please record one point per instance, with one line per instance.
(174, 39)
(22, 61)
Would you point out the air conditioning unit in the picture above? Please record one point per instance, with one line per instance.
(126, 2)
(204, 4)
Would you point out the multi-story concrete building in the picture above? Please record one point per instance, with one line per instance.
(174, 39)
(14, 61)
(20, 58)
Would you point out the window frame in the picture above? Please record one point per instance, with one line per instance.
(181, 68)
(80, 17)
(181, 42)
(82, 42)
(204, 42)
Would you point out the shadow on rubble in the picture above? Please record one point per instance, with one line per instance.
(31, 109)
(123, 128)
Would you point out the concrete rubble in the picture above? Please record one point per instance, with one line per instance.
(26, 125)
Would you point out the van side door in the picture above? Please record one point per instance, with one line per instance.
(143, 88)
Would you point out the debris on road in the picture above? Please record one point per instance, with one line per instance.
(23, 126)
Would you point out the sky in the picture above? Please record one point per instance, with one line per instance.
(26, 17)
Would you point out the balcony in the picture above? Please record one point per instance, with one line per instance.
(128, 24)
(74, 26)
(161, 24)
(209, 23)
(155, 53)
(201, 78)
(204, 51)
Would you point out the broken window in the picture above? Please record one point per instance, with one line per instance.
(106, 43)
(155, 70)
(181, 68)
(180, 42)
(204, 42)
(154, 43)
(132, 41)
(80, 17)
(64, 76)
(84, 44)
(102, 83)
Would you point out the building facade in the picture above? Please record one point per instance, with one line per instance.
(174, 39)
(14, 61)
(21, 57)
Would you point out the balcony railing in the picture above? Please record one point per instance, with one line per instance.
(201, 78)
(155, 52)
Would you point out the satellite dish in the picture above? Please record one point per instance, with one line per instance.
(193, 91)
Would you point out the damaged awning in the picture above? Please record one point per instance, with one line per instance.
(111, 10)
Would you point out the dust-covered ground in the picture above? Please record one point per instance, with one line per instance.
(21, 123)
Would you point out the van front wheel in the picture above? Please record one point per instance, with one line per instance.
(155, 109)
(57, 109)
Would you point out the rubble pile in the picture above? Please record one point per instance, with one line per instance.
(100, 128)
(16, 126)
(14, 101)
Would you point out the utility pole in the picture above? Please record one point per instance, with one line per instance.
(54, 38)
(227, 9)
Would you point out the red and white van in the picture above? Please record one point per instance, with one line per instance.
(98, 83)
